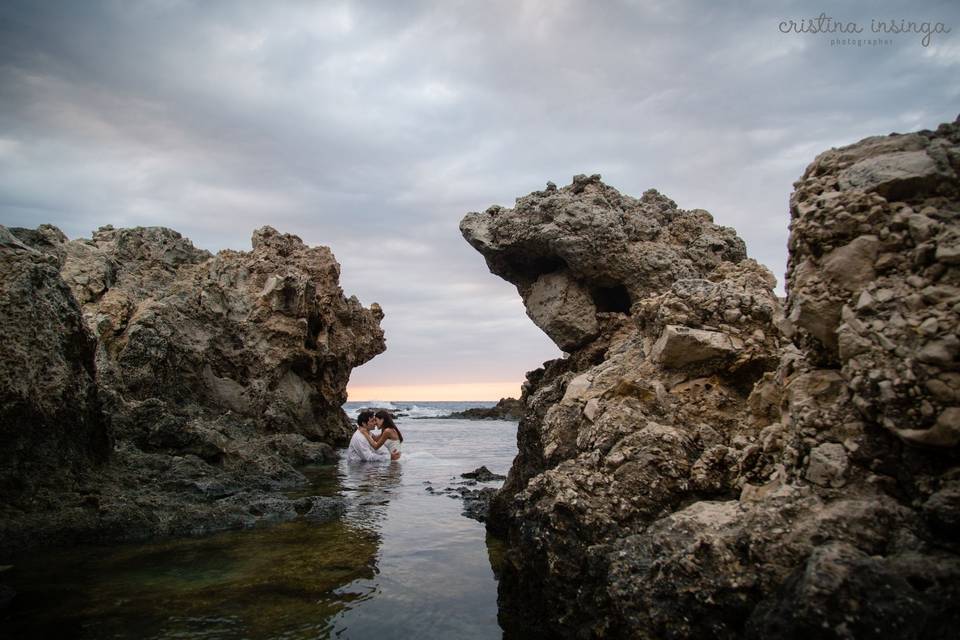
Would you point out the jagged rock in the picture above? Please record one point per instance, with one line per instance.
(482, 474)
(652, 410)
(828, 463)
(586, 248)
(46, 238)
(219, 374)
(895, 174)
(851, 266)
(266, 334)
(52, 427)
(942, 510)
(909, 597)
(670, 483)
(945, 432)
(679, 346)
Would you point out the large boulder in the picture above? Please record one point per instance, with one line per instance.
(708, 466)
(266, 334)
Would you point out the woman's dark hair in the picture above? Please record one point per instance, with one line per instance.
(388, 422)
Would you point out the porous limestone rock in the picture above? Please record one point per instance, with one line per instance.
(52, 426)
(560, 306)
(267, 334)
(679, 346)
(650, 410)
(219, 375)
(708, 466)
(599, 250)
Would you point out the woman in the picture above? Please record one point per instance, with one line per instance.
(389, 433)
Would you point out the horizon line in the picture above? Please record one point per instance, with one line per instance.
(421, 400)
(449, 392)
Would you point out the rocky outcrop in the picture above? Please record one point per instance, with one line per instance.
(482, 474)
(702, 464)
(219, 375)
(52, 425)
(505, 409)
(264, 335)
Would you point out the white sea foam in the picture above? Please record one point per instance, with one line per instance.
(353, 409)
(417, 411)
(413, 410)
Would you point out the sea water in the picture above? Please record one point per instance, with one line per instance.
(401, 562)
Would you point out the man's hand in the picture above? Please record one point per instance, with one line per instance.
(395, 455)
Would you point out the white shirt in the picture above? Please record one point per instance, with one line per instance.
(361, 451)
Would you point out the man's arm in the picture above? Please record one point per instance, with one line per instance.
(375, 444)
(369, 454)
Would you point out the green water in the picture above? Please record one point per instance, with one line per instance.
(400, 563)
(269, 583)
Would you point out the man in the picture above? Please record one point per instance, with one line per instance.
(360, 449)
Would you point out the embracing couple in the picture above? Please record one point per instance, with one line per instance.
(365, 448)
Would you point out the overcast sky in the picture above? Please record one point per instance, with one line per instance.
(373, 127)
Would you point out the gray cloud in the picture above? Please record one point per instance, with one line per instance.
(373, 127)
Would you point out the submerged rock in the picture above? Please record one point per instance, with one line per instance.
(217, 374)
(482, 474)
(476, 502)
(704, 464)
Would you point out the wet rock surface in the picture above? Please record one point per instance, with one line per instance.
(482, 474)
(476, 501)
(705, 463)
(195, 384)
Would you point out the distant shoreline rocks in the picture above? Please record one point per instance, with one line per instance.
(505, 409)
(396, 413)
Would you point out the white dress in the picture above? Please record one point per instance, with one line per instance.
(392, 445)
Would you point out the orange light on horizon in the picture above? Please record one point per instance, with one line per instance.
(478, 391)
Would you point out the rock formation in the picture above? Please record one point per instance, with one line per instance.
(505, 409)
(704, 464)
(52, 424)
(217, 375)
(265, 335)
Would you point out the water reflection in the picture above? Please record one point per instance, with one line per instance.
(368, 488)
(400, 562)
(281, 581)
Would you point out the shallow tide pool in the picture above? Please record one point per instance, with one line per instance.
(400, 562)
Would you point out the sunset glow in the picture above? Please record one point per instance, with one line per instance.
(480, 391)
